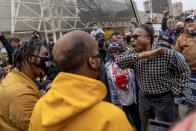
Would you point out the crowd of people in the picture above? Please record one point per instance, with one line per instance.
(89, 83)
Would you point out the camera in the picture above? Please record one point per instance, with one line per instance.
(101, 43)
(36, 36)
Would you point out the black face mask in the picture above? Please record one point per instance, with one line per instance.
(193, 35)
(179, 30)
(127, 39)
(45, 63)
(101, 43)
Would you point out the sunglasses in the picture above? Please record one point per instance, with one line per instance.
(136, 36)
(114, 51)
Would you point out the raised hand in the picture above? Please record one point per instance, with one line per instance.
(165, 13)
(134, 21)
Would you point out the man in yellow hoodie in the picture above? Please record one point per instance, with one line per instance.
(18, 92)
(75, 101)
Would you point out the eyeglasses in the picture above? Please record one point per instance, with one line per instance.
(114, 51)
(136, 36)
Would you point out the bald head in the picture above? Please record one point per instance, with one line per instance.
(72, 50)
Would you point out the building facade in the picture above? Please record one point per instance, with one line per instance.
(158, 6)
(177, 9)
(60, 16)
(144, 17)
(190, 12)
(147, 7)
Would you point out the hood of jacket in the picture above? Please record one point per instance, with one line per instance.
(70, 95)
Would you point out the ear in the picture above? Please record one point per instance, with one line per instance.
(92, 63)
(148, 39)
(31, 59)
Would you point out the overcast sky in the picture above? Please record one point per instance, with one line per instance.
(187, 4)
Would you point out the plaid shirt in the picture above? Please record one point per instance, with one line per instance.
(156, 76)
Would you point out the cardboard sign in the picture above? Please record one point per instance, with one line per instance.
(190, 91)
(157, 27)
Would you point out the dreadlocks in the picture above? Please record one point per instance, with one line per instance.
(25, 50)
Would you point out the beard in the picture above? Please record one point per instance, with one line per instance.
(190, 29)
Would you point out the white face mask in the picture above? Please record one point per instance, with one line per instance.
(95, 27)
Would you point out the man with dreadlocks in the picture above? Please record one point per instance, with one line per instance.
(18, 92)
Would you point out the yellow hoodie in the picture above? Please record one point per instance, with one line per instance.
(74, 103)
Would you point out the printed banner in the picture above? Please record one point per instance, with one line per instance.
(190, 91)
